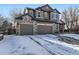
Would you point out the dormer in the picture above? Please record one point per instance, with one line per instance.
(30, 11)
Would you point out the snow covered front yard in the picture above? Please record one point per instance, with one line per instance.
(36, 45)
(75, 36)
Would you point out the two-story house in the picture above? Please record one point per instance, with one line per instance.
(41, 20)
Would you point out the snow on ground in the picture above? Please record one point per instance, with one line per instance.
(76, 36)
(36, 45)
(21, 45)
(57, 46)
(73, 36)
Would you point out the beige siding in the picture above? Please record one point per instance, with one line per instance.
(27, 19)
(46, 8)
(16, 22)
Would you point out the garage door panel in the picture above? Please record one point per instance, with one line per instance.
(26, 29)
(44, 29)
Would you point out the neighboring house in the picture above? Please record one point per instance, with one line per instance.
(41, 20)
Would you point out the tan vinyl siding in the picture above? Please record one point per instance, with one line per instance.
(27, 18)
(46, 8)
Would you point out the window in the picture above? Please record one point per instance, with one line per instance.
(57, 16)
(52, 15)
(39, 14)
(46, 14)
(31, 13)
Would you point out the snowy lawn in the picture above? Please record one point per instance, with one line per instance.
(36, 45)
(75, 36)
(21, 45)
(56, 46)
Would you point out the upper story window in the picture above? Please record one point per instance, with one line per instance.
(31, 12)
(46, 15)
(57, 16)
(54, 15)
(39, 14)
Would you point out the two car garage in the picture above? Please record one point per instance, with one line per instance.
(27, 29)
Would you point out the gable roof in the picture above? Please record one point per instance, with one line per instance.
(55, 10)
(29, 8)
(41, 8)
(61, 22)
(44, 6)
(51, 9)
(20, 17)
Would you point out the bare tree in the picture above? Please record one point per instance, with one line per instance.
(2, 19)
(15, 13)
(66, 18)
(70, 16)
(73, 15)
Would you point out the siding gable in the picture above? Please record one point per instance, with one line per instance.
(27, 18)
(45, 8)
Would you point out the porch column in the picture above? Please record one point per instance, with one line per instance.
(34, 27)
(58, 28)
(53, 28)
(63, 28)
